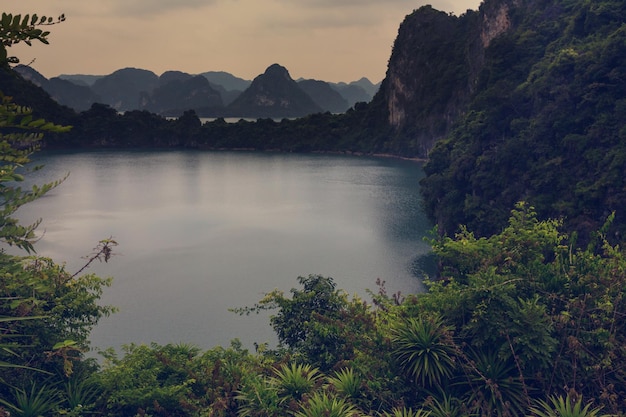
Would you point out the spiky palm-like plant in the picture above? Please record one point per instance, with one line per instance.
(324, 405)
(495, 387)
(565, 407)
(34, 402)
(295, 380)
(424, 349)
(346, 383)
(258, 398)
(406, 412)
(80, 394)
(444, 406)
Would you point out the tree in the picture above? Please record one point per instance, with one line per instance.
(15, 29)
(20, 133)
(46, 313)
(19, 137)
(298, 320)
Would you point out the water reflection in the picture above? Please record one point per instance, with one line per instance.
(201, 232)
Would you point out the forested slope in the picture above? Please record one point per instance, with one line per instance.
(546, 124)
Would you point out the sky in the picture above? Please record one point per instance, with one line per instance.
(330, 40)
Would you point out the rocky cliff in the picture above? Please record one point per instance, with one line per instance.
(434, 69)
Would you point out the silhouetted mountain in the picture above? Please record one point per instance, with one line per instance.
(352, 93)
(178, 92)
(324, 96)
(366, 85)
(135, 89)
(122, 89)
(169, 76)
(81, 79)
(228, 96)
(273, 94)
(64, 92)
(357, 91)
(226, 80)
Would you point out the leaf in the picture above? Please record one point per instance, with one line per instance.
(15, 24)
(64, 344)
(26, 120)
(6, 20)
(25, 21)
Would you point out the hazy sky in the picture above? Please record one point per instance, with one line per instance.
(331, 40)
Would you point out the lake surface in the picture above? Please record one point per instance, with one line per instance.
(202, 232)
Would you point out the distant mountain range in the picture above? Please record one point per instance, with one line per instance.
(210, 94)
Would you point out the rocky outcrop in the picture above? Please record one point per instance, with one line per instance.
(433, 70)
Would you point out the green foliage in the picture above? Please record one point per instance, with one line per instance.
(180, 380)
(295, 380)
(324, 405)
(48, 316)
(494, 387)
(259, 398)
(33, 402)
(309, 322)
(444, 406)
(149, 378)
(80, 396)
(346, 383)
(564, 407)
(537, 313)
(19, 137)
(406, 412)
(425, 350)
(545, 125)
(46, 313)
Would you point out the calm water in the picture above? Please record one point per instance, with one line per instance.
(202, 232)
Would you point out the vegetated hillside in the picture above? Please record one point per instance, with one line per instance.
(226, 80)
(546, 123)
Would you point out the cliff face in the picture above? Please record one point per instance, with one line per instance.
(436, 61)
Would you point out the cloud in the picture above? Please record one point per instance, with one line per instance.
(139, 8)
(348, 3)
(110, 8)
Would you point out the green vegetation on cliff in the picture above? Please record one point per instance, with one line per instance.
(545, 125)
